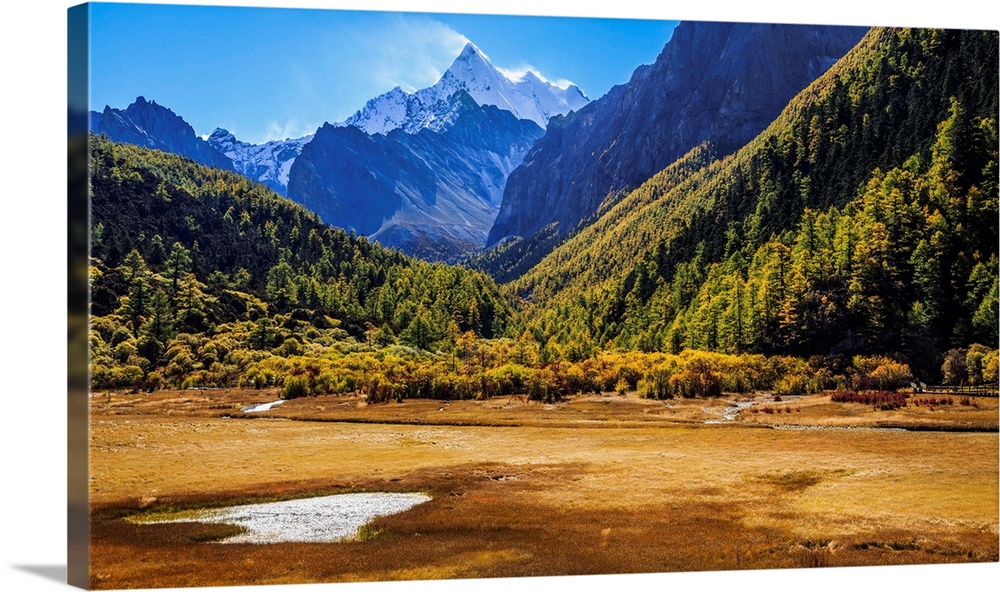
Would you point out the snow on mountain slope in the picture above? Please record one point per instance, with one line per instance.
(527, 97)
(433, 194)
(267, 163)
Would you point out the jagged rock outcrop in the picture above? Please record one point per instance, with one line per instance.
(147, 124)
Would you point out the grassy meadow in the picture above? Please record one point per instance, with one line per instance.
(595, 484)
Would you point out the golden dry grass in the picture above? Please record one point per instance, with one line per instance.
(579, 411)
(596, 485)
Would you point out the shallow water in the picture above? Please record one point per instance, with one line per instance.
(730, 412)
(325, 519)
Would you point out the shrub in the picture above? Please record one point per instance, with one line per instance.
(137, 360)
(883, 400)
(124, 350)
(380, 389)
(621, 387)
(890, 375)
(697, 380)
(182, 363)
(795, 384)
(295, 387)
(149, 348)
(991, 368)
(790, 385)
(628, 374)
(120, 334)
(544, 386)
(105, 327)
(656, 384)
(154, 381)
(126, 377)
(975, 362)
(578, 380)
(880, 372)
(288, 348)
(259, 378)
(208, 354)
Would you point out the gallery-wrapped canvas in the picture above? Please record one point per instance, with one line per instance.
(363, 296)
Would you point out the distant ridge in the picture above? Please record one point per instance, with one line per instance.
(149, 125)
(717, 82)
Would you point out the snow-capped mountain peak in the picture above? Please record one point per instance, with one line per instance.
(470, 62)
(470, 51)
(527, 97)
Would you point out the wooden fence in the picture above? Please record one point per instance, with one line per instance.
(978, 390)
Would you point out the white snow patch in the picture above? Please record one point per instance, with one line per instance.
(327, 519)
(262, 406)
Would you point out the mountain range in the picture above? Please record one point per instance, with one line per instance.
(149, 125)
(527, 97)
(432, 193)
(410, 182)
(827, 193)
(268, 163)
(717, 82)
(423, 172)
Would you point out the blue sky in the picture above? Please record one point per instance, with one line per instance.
(270, 73)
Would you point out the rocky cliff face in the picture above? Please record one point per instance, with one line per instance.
(717, 82)
(433, 194)
(147, 124)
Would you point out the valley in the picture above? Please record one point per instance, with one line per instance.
(740, 312)
(596, 484)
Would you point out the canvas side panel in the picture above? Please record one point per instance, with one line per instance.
(78, 295)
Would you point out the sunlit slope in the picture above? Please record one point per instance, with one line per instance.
(862, 219)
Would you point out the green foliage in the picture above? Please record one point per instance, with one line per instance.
(848, 246)
(862, 221)
(250, 273)
(295, 387)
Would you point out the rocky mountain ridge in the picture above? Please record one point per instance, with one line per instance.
(717, 82)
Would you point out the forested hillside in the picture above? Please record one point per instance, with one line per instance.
(195, 268)
(863, 220)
